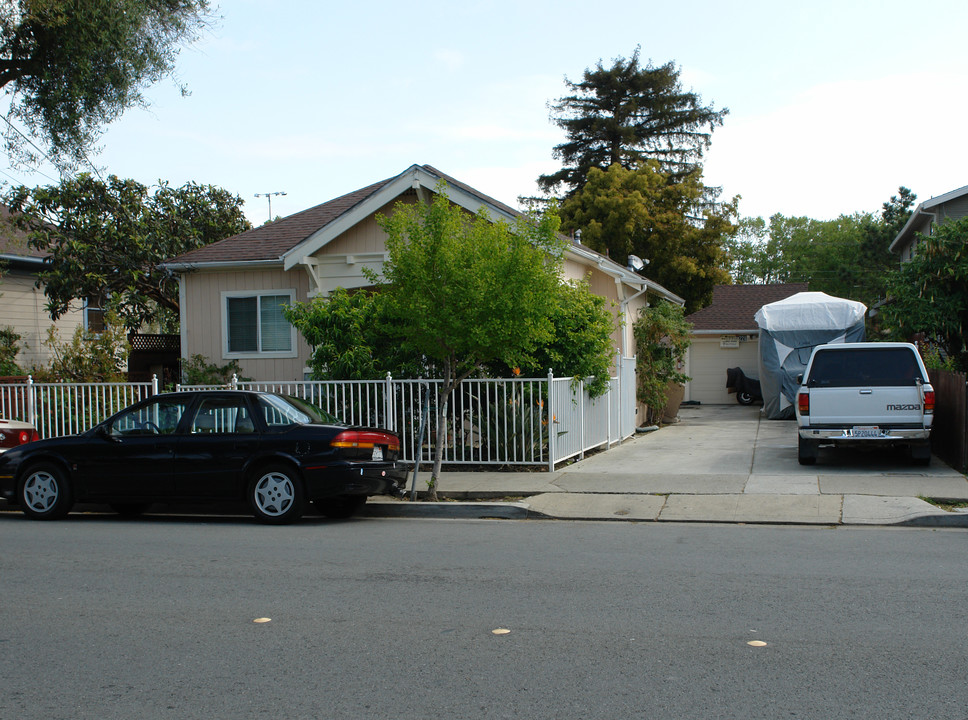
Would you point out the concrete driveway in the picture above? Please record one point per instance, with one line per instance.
(733, 449)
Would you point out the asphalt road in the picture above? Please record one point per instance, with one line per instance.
(372, 618)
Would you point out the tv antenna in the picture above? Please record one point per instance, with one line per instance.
(268, 196)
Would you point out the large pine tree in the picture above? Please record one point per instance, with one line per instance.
(627, 114)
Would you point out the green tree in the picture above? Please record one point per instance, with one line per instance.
(661, 340)
(580, 345)
(87, 356)
(625, 115)
(9, 349)
(929, 294)
(71, 67)
(847, 257)
(106, 239)
(646, 212)
(466, 291)
(351, 337)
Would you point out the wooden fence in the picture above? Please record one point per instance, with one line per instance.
(949, 436)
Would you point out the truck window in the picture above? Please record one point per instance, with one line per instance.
(869, 367)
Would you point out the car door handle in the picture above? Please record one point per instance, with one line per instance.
(866, 392)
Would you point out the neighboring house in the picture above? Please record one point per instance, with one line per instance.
(22, 302)
(950, 206)
(725, 335)
(231, 291)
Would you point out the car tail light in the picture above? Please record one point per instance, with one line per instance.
(26, 436)
(365, 439)
(928, 401)
(803, 403)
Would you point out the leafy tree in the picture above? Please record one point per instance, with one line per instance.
(625, 115)
(929, 294)
(661, 340)
(71, 67)
(107, 238)
(199, 370)
(87, 356)
(9, 349)
(581, 342)
(648, 213)
(845, 257)
(352, 338)
(466, 291)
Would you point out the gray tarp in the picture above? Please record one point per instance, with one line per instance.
(789, 331)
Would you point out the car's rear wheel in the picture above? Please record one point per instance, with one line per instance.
(45, 493)
(340, 507)
(276, 495)
(744, 398)
(807, 451)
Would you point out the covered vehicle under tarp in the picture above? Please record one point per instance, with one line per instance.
(789, 331)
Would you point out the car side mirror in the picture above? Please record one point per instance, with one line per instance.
(103, 432)
(799, 378)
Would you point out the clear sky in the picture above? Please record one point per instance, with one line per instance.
(833, 103)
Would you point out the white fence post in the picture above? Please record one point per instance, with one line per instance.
(389, 416)
(31, 402)
(154, 384)
(552, 433)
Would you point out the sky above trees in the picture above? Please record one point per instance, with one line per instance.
(832, 105)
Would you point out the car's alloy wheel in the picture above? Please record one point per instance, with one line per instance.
(276, 495)
(45, 493)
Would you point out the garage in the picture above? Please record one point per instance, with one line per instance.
(725, 335)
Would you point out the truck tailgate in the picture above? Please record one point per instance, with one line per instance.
(843, 406)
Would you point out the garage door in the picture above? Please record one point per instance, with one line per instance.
(706, 363)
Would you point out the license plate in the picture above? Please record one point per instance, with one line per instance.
(865, 431)
(377, 452)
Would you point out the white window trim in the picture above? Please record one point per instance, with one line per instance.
(226, 355)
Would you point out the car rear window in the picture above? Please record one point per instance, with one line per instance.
(870, 367)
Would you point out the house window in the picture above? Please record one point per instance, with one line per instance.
(254, 324)
(94, 314)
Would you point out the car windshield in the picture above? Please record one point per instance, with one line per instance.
(281, 411)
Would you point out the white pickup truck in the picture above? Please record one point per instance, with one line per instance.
(865, 394)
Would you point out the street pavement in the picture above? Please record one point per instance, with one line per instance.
(719, 463)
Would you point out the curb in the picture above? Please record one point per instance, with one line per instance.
(483, 510)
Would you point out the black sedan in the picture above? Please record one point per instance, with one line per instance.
(273, 451)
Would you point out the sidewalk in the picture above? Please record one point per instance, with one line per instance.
(720, 463)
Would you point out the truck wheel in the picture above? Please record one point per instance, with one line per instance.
(807, 451)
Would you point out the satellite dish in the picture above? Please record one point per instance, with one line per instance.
(637, 264)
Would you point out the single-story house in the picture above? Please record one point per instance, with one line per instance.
(950, 206)
(24, 302)
(725, 335)
(230, 291)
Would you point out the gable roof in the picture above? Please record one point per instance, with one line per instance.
(923, 211)
(734, 306)
(291, 240)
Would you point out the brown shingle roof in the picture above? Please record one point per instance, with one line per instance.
(734, 306)
(270, 242)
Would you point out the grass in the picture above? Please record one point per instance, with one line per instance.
(947, 505)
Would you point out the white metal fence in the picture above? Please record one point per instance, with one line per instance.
(514, 421)
(66, 408)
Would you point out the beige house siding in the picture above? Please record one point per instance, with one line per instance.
(203, 320)
(22, 307)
